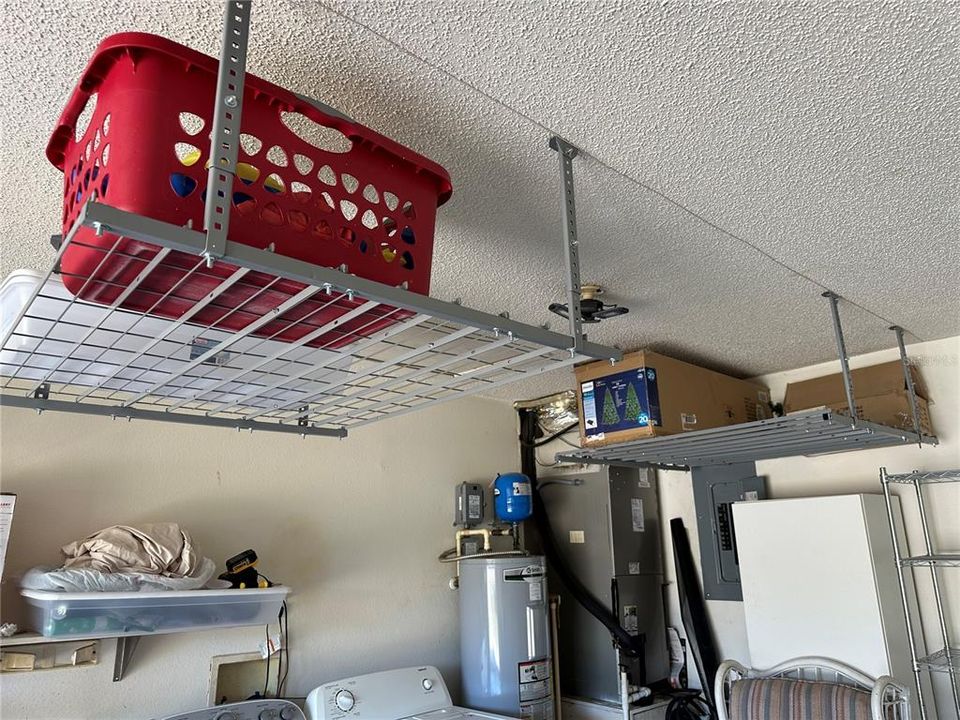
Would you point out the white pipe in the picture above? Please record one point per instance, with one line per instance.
(555, 640)
(624, 692)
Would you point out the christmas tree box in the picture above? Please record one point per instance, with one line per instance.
(648, 394)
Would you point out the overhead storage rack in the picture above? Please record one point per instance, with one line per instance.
(814, 432)
(66, 354)
(409, 351)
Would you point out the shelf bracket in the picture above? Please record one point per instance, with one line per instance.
(908, 379)
(842, 352)
(126, 646)
(225, 137)
(571, 244)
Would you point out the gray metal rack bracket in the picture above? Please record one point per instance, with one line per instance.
(126, 646)
(834, 300)
(225, 137)
(571, 243)
(908, 380)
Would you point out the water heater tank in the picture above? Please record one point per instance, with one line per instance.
(505, 655)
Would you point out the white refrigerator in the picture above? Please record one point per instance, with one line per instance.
(819, 579)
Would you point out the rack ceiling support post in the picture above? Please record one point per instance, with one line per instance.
(842, 352)
(225, 137)
(571, 250)
(908, 379)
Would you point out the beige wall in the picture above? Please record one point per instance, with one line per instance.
(353, 526)
(854, 472)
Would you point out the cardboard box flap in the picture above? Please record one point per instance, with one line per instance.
(867, 382)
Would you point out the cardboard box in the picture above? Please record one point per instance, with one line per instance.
(880, 395)
(648, 394)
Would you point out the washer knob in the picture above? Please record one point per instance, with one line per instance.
(289, 713)
(227, 716)
(427, 684)
(344, 700)
(268, 714)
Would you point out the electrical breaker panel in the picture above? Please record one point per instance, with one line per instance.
(715, 489)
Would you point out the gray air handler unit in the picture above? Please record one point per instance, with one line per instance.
(608, 529)
(505, 636)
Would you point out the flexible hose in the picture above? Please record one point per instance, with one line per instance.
(449, 556)
(630, 645)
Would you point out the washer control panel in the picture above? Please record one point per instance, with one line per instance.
(247, 710)
(391, 694)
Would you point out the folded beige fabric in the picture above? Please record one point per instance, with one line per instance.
(154, 548)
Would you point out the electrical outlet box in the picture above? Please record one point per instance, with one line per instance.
(471, 505)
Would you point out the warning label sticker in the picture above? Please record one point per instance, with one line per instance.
(534, 680)
(636, 514)
(540, 710)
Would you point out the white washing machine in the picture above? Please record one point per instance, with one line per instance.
(416, 693)
(247, 710)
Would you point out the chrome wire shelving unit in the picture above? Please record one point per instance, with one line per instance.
(373, 351)
(947, 658)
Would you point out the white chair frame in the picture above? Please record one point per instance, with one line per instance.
(889, 700)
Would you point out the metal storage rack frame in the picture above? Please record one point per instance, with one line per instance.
(722, 461)
(121, 366)
(810, 432)
(947, 659)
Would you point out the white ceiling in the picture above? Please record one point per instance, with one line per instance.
(739, 158)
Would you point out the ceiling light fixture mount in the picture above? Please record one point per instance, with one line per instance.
(592, 309)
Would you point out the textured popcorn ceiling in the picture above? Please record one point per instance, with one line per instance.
(739, 158)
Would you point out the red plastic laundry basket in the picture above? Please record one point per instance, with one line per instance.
(309, 185)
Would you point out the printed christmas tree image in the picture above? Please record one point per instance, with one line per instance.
(633, 404)
(610, 416)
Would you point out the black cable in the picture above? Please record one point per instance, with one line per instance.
(689, 705)
(541, 443)
(630, 645)
(285, 614)
(266, 679)
(279, 654)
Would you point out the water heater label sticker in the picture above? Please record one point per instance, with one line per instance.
(542, 710)
(531, 573)
(636, 513)
(521, 488)
(536, 591)
(577, 537)
(534, 680)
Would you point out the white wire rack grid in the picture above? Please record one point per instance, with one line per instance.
(317, 357)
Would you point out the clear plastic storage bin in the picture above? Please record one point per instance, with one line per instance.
(112, 614)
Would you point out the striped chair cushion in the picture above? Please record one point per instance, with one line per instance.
(784, 699)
